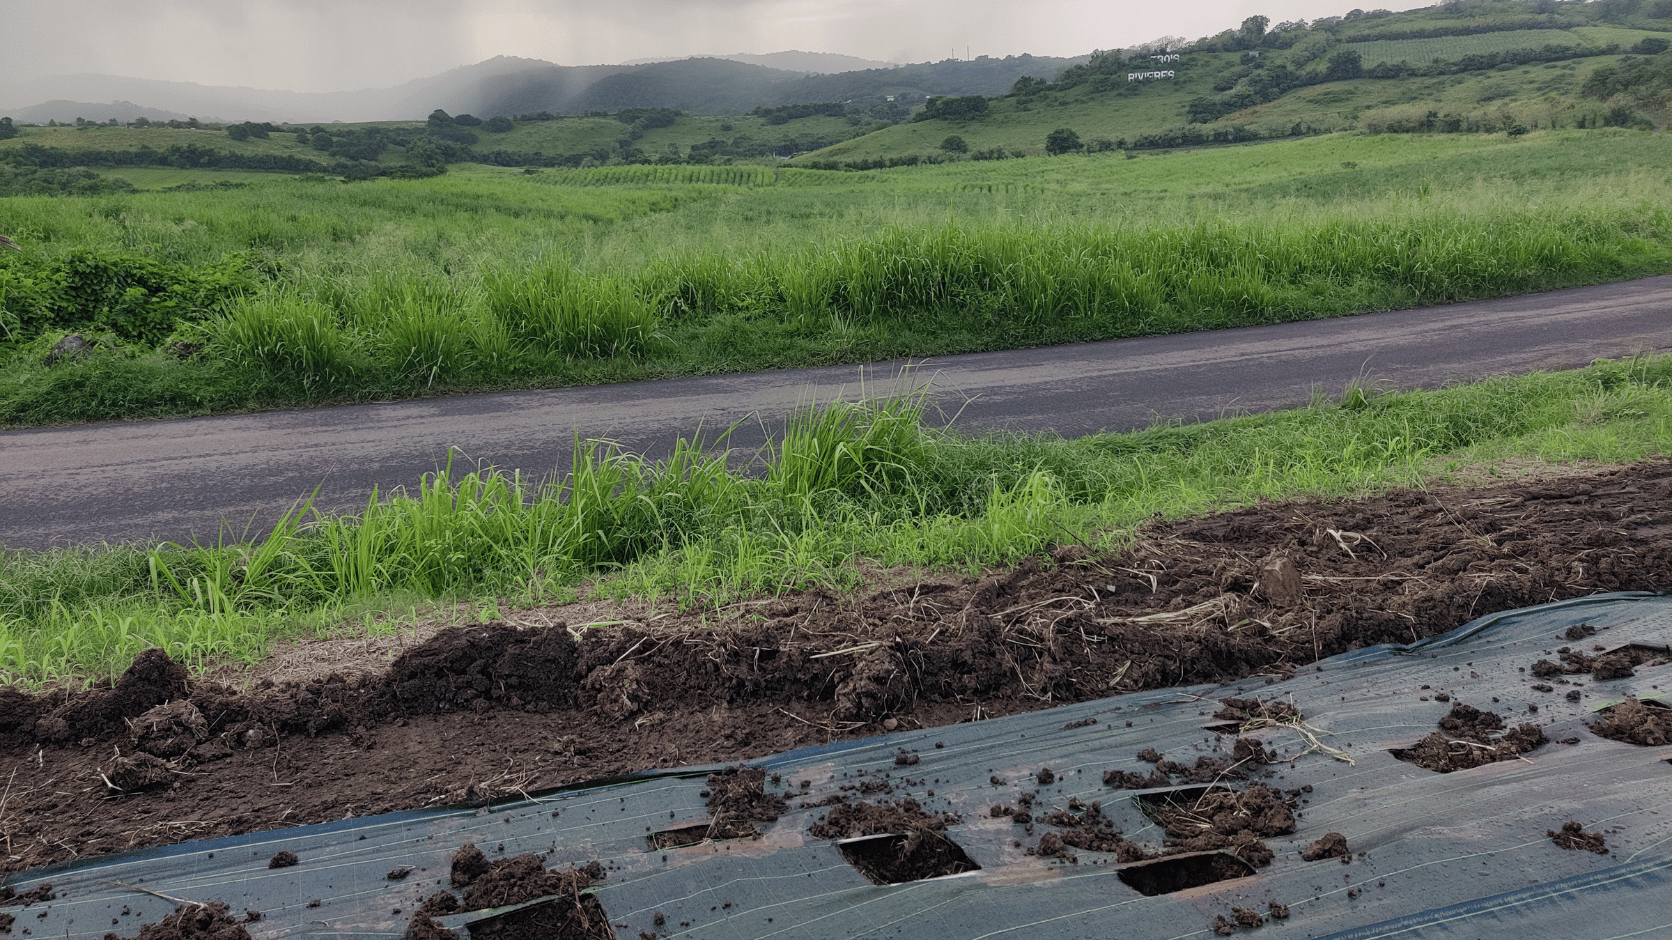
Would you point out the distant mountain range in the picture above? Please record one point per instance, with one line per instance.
(818, 63)
(510, 86)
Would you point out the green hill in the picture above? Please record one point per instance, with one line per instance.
(1463, 66)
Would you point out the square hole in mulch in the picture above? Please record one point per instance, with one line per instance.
(1183, 872)
(556, 919)
(680, 837)
(897, 858)
(1643, 722)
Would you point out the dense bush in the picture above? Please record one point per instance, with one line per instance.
(137, 299)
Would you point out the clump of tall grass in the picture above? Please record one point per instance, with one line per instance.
(559, 310)
(286, 335)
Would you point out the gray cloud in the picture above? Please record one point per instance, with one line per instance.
(328, 45)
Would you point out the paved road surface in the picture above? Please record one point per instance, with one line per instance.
(187, 479)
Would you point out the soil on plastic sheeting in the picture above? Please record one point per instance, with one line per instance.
(906, 844)
(737, 800)
(494, 710)
(1643, 723)
(1573, 837)
(212, 921)
(1330, 845)
(1466, 740)
(1223, 820)
(1622, 663)
(568, 915)
(1083, 826)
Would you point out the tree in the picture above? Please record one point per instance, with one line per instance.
(1253, 30)
(1344, 65)
(967, 108)
(7, 129)
(498, 125)
(955, 144)
(1062, 140)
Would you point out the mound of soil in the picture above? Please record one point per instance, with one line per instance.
(1083, 826)
(493, 710)
(569, 915)
(212, 921)
(737, 800)
(1573, 837)
(1331, 845)
(1465, 740)
(1646, 724)
(1171, 773)
(1227, 820)
(1615, 664)
(914, 844)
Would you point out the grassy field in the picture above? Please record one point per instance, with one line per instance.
(1452, 48)
(1545, 94)
(844, 489)
(297, 290)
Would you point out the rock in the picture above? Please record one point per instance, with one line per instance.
(73, 346)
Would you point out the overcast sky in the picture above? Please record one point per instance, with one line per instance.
(338, 45)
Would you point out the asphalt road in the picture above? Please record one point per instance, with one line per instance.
(194, 479)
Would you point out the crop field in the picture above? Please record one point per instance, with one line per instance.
(1451, 48)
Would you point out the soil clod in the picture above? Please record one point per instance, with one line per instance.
(1332, 845)
(1644, 722)
(737, 801)
(212, 921)
(1573, 837)
(1466, 740)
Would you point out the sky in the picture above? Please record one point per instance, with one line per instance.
(341, 45)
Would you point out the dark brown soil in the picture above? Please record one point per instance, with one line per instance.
(1083, 826)
(737, 800)
(212, 921)
(1332, 845)
(557, 919)
(911, 844)
(1573, 837)
(1223, 820)
(1614, 664)
(1468, 738)
(495, 710)
(1182, 872)
(1171, 773)
(1644, 723)
(569, 915)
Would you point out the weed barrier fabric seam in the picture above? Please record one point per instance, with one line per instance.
(1432, 854)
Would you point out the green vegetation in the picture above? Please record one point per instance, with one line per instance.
(845, 486)
(308, 290)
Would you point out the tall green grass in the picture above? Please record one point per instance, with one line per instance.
(470, 281)
(843, 487)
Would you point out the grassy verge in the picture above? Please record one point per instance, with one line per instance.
(296, 292)
(845, 487)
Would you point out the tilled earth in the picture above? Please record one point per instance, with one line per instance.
(480, 712)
